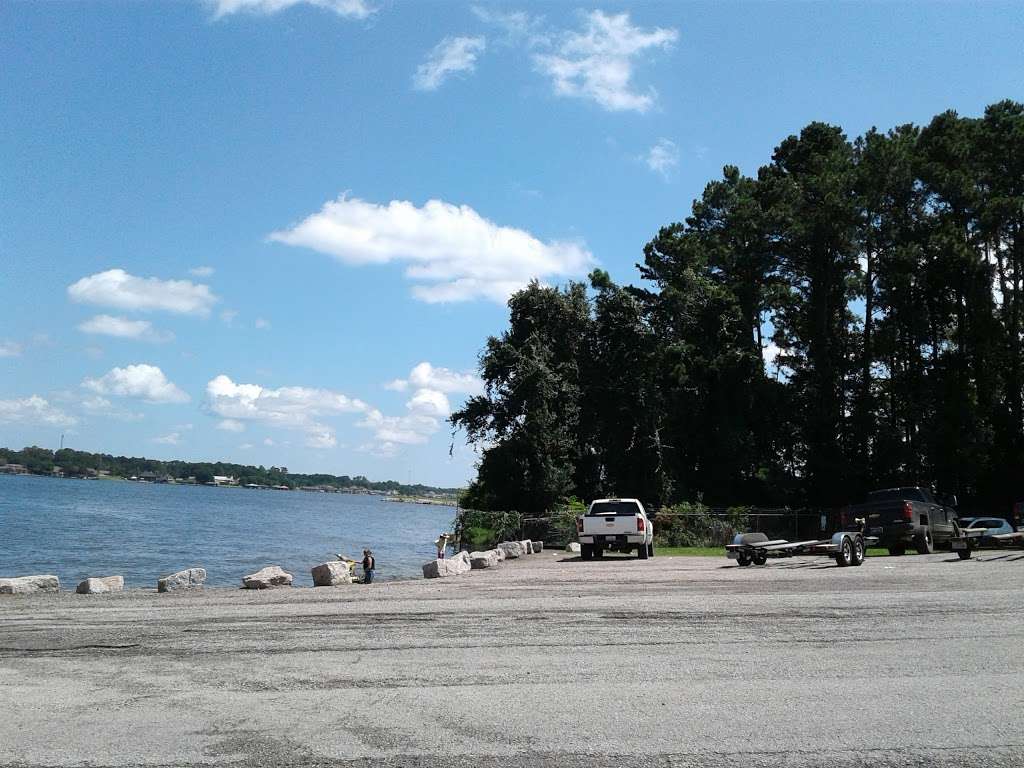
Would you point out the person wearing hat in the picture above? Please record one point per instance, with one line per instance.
(441, 544)
(369, 563)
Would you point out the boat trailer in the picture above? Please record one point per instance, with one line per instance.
(847, 547)
(971, 539)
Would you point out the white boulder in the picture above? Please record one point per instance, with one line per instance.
(267, 578)
(512, 549)
(538, 546)
(487, 559)
(573, 547)
(29, 585)
(191, 578)
(450, 566)
(527, 547)
(97, 586)
(331, 574)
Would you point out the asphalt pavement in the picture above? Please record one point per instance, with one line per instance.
(544, 661)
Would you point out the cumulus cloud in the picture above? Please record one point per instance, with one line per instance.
(231, 425)
(201, 271)
(101, 406)
(123, 328)
(34, 410)
(295, 408)
(116, 288)
(426, 376)
(141, 381)
(10, 349)
(451, 252)
(174, 438)
(662, 158)
(348, 9)
(597, 62)
(453, 55)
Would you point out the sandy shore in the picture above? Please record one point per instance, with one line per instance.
(543, 662)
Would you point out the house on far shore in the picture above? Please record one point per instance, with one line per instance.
(224, 480)
(13, 469)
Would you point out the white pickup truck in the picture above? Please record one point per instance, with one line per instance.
(618, 525)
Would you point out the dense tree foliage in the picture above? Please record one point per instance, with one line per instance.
(850, 318)
(42, 461)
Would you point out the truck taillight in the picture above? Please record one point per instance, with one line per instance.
(640, 524)
(908, 510)
(579, 525)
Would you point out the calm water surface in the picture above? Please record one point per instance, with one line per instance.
(80, 528)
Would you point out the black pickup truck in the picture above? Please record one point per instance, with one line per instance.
(907, 517)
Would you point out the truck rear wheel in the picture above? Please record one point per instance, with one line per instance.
(923, 543)
(844, 556)
(586, 551)
(650, 549)
(642, 552)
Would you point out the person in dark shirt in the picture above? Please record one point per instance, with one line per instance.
(369, 563)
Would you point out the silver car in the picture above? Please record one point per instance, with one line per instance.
(993, 526)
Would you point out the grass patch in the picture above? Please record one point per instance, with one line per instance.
(689, 551)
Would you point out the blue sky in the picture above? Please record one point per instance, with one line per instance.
(279, 231)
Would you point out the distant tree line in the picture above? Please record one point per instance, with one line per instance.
(42, 461)
(883, 278)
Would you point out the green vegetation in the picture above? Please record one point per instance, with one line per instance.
(690, 552)
(41, 461)
(883, 276)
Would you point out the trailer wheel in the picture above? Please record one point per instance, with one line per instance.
(760, 559)
(642, 552)
(923, 543)
(845, 555)
(964, 554)
(858, 552)
(743, 560)
(586, 551)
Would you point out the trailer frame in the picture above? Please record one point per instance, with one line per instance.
(848, 548)
(970, 539)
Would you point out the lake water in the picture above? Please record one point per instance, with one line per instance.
(80, 528)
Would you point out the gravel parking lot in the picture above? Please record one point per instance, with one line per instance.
(545, 661)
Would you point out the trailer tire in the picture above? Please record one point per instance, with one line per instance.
(586, 551)
(844, 556)
(642, 552)
(964, 554)
(760, 559)
(858, 551)
(923, 543)
(743, 560)
(896, 551)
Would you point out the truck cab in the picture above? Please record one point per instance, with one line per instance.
(907, 517)
(615, 525)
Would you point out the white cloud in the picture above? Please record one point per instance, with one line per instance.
(100, 406)
(246, 446)
(231, 425)
(116, 288)
(662, 158)
(228, 316)
(10, 349)
(429, 402)
(142, 381)
(261, 324)
(412, 429)
(597, 62)
(33, 410)
(201, 271)
(123, 328)
(349, 9)
(451, 252)
(426, 376)
(297, 408)
(449, 57)
(517, 25)
(174, 438)
(267, 441)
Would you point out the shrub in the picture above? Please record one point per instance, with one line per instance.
(693, 525)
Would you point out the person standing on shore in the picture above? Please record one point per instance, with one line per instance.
(441, 544)
(369, 565)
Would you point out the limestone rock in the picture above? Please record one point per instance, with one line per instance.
(487, 559)
(267, 578)
(512, 549)
(450, 566)
(501, 553)
(331, 574)
(29, 585)
(573, 547)
(538, 546)
(96, 586)
(191, 578)
(527, 547)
